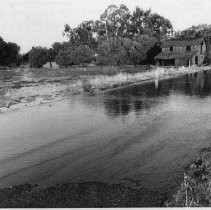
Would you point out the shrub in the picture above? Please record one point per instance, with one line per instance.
(195, 190)
(38, 57)
(75, 56)
(65, 58)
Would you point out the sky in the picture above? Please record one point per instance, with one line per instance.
(40, 22)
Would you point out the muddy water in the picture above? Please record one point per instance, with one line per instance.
(143, 135)
(19, 77)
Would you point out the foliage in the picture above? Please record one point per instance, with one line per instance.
(50, 56)
(57, 46)
(83, 54)
(65, 57)
(152, 24)
(195, 190)
(80, 35)
(75, 56)
(8, 52)
(38, 56)
(113, 50)
(25, 57)
(199, 31)
(119, 51)
(115, 24)
(116, 21)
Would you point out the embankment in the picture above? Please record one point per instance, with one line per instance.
(28, 95)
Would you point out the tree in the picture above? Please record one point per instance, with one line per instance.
(120, 36)
(120, 51)
(81, 35)
(112, 51)
(116, 21)
(159, 25)
(65, 57)
(38, 57)
(83, 54)
(140, 48)
(140, 22)
(11, 52)
(8, 52)
(75, 56)
(25, 57)
(2, 51)
(57, 46)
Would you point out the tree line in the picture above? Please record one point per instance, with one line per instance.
(119, 37)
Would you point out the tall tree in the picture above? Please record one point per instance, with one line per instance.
(159, 25)
(116, 21)
(81, 35)
(140, 22)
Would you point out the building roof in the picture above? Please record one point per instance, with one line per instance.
(176, 55)
(182, 43)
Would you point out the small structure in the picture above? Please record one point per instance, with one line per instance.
(182, 53)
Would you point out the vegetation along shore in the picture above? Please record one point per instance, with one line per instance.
(24, 94)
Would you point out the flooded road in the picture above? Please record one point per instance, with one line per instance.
(143, 135)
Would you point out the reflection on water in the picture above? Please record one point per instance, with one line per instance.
(135, 98)
(147, 133)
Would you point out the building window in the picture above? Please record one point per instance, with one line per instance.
(171, 48)
(188, 48)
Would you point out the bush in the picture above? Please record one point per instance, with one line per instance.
(38, 57)
(75, 56)
(65, 58)
(195, 189)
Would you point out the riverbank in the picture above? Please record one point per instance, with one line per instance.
(77, 195)
(30, 94)
(195, 190)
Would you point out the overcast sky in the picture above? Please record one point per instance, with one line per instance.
(40, 22)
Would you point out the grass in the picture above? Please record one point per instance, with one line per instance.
(89, 83)
(195, 190)
(75, 195)
(105, 82)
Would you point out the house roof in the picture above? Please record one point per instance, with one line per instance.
(182, 43)
(176, 55)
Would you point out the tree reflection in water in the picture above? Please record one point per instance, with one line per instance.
(143, 97)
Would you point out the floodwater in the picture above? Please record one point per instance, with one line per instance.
(23, 76)
(143, 135)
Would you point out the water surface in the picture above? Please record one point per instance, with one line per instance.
(143, 135)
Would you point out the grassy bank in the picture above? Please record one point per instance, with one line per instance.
(90, 194)
(195, 190)
(90, 84)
